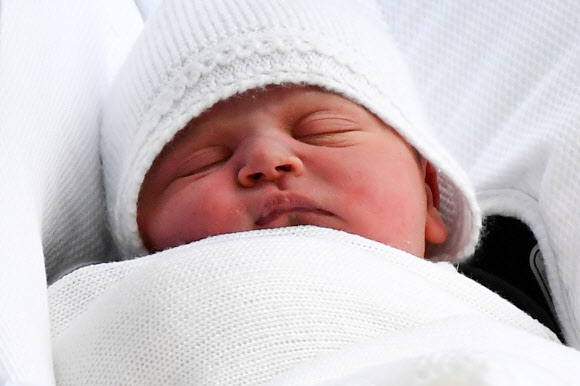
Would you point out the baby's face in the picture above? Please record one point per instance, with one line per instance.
(289, 156)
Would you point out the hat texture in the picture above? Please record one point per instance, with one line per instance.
(194, 53)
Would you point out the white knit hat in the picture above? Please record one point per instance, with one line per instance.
(194, 53)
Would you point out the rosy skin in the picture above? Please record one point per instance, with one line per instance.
(285, 156)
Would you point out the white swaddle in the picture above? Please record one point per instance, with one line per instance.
(242, 308)
(463, 350)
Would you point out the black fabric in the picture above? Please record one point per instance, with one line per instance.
(502, 263)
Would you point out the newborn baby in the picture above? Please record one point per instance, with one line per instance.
(283, 156)
(252, 115)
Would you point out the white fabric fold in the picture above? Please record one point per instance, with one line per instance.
(462, 350)
(245, 307)
(56, 60)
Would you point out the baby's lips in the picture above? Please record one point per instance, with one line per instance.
(280, 203)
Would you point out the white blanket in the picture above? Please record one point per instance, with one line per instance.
(463, 350)
(243, 308)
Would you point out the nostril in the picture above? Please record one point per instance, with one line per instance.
(284, 168)
(256, 176)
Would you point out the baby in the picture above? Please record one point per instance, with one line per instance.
(283, 156)
(233, 116)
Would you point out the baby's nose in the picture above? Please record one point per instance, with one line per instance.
(266, 159)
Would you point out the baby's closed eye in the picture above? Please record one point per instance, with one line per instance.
(200, 162)
(323, 129)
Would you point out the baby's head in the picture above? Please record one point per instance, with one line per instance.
(239, 115)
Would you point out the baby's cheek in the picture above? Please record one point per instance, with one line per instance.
(218, 210)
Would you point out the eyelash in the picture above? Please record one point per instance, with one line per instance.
(321, 139)
(199, 164)
(328, 135)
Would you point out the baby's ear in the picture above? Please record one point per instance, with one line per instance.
(435, 229)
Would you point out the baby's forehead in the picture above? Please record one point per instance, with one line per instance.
(254, 98)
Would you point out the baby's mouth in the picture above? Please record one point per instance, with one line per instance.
(297, 208)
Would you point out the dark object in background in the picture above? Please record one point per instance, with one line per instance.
(509, 262)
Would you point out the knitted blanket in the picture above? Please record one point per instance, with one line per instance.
(463, 350)
(245, 307)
